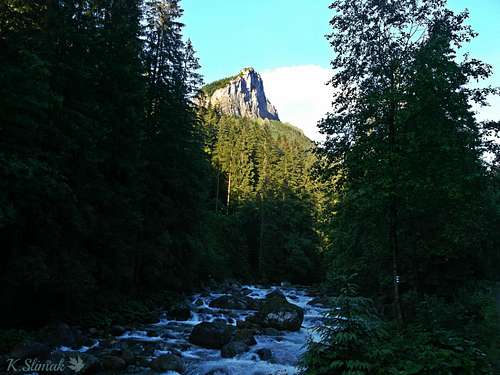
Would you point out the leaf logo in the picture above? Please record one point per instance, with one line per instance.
(76, 364)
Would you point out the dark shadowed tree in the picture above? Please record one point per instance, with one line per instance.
(401, 128)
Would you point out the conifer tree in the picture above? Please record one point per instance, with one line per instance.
(402, 124)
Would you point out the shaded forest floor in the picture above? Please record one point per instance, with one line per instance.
(498, 316)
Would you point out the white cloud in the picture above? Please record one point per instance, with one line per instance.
(302, 98)
(300, 95)
(491, 112)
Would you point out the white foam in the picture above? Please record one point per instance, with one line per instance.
(83, 349)
(139, 336)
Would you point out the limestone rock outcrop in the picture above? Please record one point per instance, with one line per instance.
(242, 96)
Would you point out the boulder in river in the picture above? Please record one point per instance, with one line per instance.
(234, 302)
(245, 335)
(180, 311)
(168, 362)
(276, 312)
(234, 348)
(212, 335)
(276, 294)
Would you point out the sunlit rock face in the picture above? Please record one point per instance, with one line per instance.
(244, 96)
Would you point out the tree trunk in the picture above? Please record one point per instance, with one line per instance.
(261, 235)
(395, 255)
(217, 191)
(393, 210)
(228, 193)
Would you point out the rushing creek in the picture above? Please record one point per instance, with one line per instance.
(286, 347)
(172, 337)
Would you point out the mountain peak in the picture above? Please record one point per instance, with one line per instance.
(242, 95)
(248, 70)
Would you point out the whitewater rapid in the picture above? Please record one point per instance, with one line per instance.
(286, 348)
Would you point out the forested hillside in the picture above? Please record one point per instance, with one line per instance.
(265, 196)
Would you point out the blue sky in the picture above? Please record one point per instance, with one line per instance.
(284, 40)
(265, 34)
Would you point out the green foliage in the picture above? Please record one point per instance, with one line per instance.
(397, 145)
(110, 185)
(101, 161)
(445, 338)
(350, 337)
(210, 88)
(264, 194)
(9, 338)
(415, 204)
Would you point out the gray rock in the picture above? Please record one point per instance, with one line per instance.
(276, 294)
(276, 312)
(168, 362)
(180, 311)
(245, 335)
(244, 96)
(234, 302)
(212, 335)
(249, 323)
(234, 348)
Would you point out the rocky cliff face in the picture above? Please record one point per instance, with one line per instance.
(243, 96)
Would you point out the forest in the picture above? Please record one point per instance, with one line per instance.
(120, 195)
